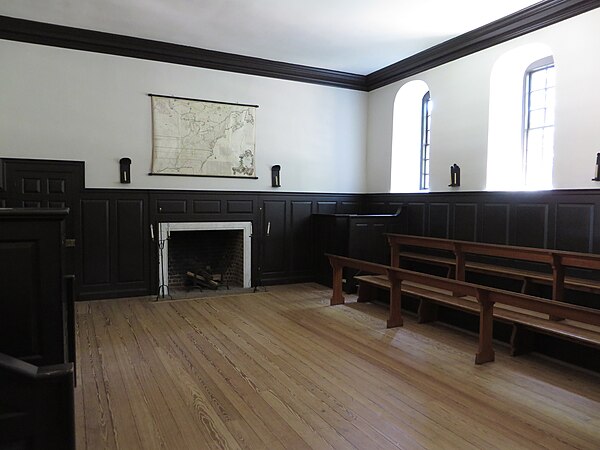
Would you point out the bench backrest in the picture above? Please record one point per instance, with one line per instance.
(557, 259)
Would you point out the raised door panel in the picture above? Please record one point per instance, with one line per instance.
(465, 221)
(95, 221)
(495, 223)
(415, 214)
(20, 304)
(531, 225)
(274, 238)
(301, 236)
(574, 227)
(31, 304)
(131, 255)
(439, 220)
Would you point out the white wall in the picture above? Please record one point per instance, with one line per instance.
(460, 92)
(66, 104)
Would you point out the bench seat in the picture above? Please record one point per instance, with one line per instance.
(523, 321)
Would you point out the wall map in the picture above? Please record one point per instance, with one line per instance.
(203, 138)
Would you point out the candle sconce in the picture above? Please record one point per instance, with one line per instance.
(597, 173)
(125, 170)
(275, 176)
(454, 176)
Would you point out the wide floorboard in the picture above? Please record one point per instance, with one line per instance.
(283, 370)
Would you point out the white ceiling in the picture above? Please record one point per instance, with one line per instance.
(357, 36)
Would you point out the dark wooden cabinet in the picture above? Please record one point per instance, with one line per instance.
(352, 235)
(115, 244)
(36, 320)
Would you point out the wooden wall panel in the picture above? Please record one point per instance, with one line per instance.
(465, 221)
(171, 206)
(378, 208)
(531, 225)
(274, 237)
(574, 227)
(349, 207)
(240, 206)
(439, 220)
(207, 206)
(130, 249)
(415, 213)
(95, 242)
(21, 309)
(324, 207)
(301, 236)
(496, 220)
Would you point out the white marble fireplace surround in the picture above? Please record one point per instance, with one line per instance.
(166, 228)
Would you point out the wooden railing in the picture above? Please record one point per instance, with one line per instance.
(486, 298)
(36, 405)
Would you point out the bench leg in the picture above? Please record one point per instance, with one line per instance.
(395, 318)
(337, 298)
(522, 340)
(427, 311)
(486, 324)
(366, 292)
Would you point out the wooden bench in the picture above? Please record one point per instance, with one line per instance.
(525, 312)
(556, 260)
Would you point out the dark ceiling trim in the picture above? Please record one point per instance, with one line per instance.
(114, 44)
(522, 22)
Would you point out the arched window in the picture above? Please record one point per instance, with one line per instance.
(521, 120)
(538, 130)
(411, 140)
(426, 106)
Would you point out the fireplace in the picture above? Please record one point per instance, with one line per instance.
(225, 246)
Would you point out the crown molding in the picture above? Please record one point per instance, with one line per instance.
(514, 25)
(530, 19)
(100, 42)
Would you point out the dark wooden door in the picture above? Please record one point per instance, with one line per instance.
(48, 184)
(273, 263)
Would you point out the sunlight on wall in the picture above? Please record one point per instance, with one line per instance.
(406, 138)
(505, 132)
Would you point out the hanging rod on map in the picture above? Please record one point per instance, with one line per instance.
(202, 100)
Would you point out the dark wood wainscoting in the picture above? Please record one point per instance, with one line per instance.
(282, 241)
(564, 220)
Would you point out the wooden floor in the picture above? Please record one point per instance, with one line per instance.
(283, 370)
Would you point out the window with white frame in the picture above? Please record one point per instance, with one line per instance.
(538, 123)
(426, 106)
(411, 138)
(520, 149)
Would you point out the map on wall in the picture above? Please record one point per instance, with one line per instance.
(202, 138)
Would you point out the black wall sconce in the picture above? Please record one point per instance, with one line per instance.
(597, 173)
(125, 169)
(454, 176)
(275, 176)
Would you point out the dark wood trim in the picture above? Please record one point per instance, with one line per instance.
(514, 25)
(202, 100)
(522, 22)
(95, 41)
(156, 174)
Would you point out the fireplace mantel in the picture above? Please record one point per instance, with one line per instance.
(166, 228)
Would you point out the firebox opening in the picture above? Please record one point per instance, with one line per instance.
(214, 257)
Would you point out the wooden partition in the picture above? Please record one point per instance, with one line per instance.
(36, 406)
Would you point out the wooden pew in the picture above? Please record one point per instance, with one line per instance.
(582, 324)
(557, 261)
